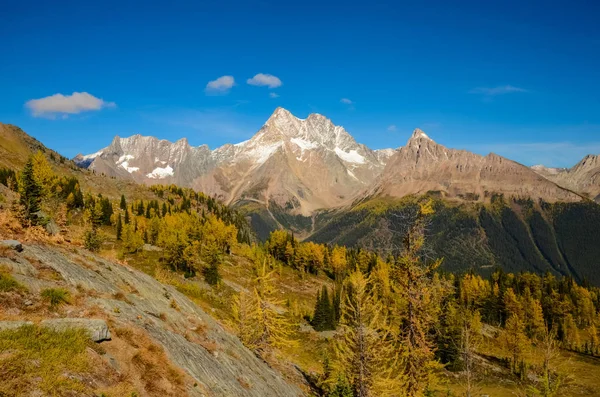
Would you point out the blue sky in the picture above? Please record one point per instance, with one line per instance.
(520, 78)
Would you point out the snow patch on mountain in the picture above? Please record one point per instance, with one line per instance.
(160, 172)
(124, 158)
(304, 144)
(92, 156)
(129, 169)
(350, 157)
(260, 154)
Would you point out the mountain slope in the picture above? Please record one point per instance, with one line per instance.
(298, 165)
(423, 165)
(515, 235)
(584, 177)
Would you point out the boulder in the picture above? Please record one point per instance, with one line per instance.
(5, 325)
(14, 244)
(96, 328)
(150, 247)
(52, 228)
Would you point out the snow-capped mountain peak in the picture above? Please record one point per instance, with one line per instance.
(302, 160)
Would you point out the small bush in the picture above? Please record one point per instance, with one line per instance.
(92, 240)
(56, 296)
(7, 282)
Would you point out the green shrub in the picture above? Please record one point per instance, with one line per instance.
(56, 296)
(7, 282)
(92, 240)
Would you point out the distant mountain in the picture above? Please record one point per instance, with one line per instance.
(584, 177)
(299, 164)
(293, 168)
(423, 165)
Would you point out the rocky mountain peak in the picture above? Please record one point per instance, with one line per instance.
(418, 135)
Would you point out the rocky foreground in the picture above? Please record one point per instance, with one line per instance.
(137, 311)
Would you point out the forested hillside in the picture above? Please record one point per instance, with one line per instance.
(513, 234)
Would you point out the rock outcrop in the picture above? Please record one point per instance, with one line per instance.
(215, 359)
(96, 328)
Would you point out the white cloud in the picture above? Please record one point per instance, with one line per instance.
(274, 95)
(75, 103)
(268, 80)
(500, 90)
(221, 85)
(346, 101)
(392, 128)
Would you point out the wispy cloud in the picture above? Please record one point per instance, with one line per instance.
(267, 80)
(221, 85)
(392, 128)
(346, 101)
(494, 91)
(273, 95)
(59, 104)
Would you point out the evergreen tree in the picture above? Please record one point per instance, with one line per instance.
(126, 220)
(30, 194)
(317, 320)
(119, 228)
(324, 314)
(123, 204)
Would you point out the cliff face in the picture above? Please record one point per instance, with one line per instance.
(215, 362)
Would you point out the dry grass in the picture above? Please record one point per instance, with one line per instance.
(146, 363)
(10, 227)
(244, 383)
(42, 359)
(121, 297)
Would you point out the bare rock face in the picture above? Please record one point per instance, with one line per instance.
(423, 165)
(10, 325)
(584, 177)
(96, 328)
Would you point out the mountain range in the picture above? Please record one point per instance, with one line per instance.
(306, 165)
(312, 178)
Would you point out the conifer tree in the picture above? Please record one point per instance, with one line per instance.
(260, 326)
(365, 352)
(119, 228)
(126, 220)
(548, 384)
(123, 203)
(470, 339)
(30, 194)
(413, 279)
(516, 343)
(324, 314)
(275, 328)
